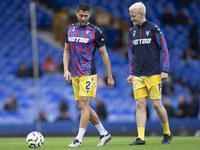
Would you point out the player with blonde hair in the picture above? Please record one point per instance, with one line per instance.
(148, 66)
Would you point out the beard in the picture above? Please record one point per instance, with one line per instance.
(83, 23)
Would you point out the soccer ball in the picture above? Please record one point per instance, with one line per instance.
(34, 139)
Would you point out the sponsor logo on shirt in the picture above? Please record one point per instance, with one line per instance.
(142, 41)
(78, 39)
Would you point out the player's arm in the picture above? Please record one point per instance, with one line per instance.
(131, 57)
(100, 42)
(106, 62)
(66, 60)
(160, 39)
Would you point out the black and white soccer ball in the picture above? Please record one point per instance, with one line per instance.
(34, 139)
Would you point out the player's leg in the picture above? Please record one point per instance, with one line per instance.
(162, 114)
(141, 120)
(141, 116)
(160, 110)
(155, 88)
(94, 119)
(75, 85)
(83, 104)
(91, 89)
(140, 95)
(87, 88)
(84, 107)
(104, 135)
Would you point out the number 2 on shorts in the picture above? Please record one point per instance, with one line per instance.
(88, 85)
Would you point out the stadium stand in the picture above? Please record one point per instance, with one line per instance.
(16, 47)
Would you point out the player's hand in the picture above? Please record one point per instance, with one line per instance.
(110, 82)
(164, 75)
(130, 79)
(67, 76)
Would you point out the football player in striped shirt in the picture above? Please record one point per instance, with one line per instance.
(82, 39)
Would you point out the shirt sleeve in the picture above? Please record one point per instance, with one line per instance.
(99, 38)
(131, 54)
(160, 40)
(66, 34)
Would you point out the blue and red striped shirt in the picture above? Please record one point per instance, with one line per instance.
(147, 50)
(83, 42)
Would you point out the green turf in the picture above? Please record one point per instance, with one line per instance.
(117, 143)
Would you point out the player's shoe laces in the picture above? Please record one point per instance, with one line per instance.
(104, 139)
(166, 139)
(138, 141)
(76, 143)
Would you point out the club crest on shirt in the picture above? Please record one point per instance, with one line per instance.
(147, 33)
(87, 31)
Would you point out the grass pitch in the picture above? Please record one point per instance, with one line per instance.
(117, 143)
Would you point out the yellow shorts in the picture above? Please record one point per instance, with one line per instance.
(84, 86)
(147, 86)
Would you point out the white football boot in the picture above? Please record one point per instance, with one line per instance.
(76, 143)
(104, 139)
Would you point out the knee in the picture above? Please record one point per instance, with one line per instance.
(156, 106)
(140, 105)
(82, 105)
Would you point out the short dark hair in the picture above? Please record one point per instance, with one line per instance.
(83, 7)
